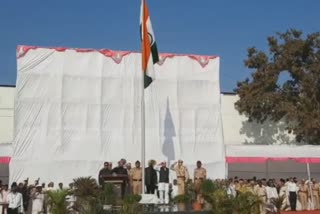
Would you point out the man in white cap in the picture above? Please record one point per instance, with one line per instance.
(37, 200)
(163, 186)
(182, 175)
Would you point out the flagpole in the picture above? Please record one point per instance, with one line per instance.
(149, 55)
(143, 137)
(143, 131)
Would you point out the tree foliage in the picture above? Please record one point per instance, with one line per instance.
(296, 100)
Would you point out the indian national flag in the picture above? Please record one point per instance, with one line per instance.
(149, 48)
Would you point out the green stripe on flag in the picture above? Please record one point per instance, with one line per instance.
(147, 80)
(154, 53)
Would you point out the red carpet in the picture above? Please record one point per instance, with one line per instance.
(302, 212)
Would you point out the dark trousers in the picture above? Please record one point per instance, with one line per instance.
(293, 200)
(150, 189)
(123, 190)
(13, 211)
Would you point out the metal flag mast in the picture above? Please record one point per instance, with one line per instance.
(149, 56)
(143, 138)
(143, 131)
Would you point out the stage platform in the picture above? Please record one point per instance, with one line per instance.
(167, 209)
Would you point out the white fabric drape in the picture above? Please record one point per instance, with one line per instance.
(74, 110)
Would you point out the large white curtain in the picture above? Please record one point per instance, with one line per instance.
(76, 109)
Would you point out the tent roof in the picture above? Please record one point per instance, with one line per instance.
(5, 152)
(117, 56)
(262, 153)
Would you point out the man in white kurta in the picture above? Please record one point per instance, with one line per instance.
(3, 196)
(163, 186)
(37, 201)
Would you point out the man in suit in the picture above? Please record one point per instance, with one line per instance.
(120, 170)
(103, 172)
(150, 178)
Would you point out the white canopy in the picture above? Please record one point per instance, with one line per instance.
(262, 153)
(5, 152)
(76, 108)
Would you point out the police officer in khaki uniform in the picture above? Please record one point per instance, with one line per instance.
(303, 195)
(200, 174)
(182, 176)
(261, 191)
(136, 179)
(315, 194)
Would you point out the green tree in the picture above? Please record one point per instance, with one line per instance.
(296, 100)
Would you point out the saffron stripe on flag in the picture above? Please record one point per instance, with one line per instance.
(149, 47)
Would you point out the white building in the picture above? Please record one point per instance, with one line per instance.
(6, 127)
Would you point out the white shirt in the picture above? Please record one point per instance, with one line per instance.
(283, 191)
(4, 195)
(292, 187)
(71, 199)
(50, 188)
(271, 192)
(174, 192)
(37, 202)
(232, 190)
(15, 201)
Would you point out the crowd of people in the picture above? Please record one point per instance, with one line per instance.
(25, 197)
(157, 178)
(30, 198)
(297, 195)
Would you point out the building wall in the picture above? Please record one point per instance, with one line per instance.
(237, 129)
(6, 124)
(6, 114)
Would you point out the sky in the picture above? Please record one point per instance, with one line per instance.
(205, 27)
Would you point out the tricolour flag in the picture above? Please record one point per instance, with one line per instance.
(149, 47)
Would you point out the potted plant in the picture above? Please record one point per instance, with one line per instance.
(207, 188)
(87, 194)
(196, 204)
(181, 201)
(278, 204)
(57, 202)
(131, 205)
(246, 203)
(220, 202)
(108, 196)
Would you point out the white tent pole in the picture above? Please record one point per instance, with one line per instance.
(227, 170)
(309, 178)
(308, 171)
(267, 169)
(225, 146)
